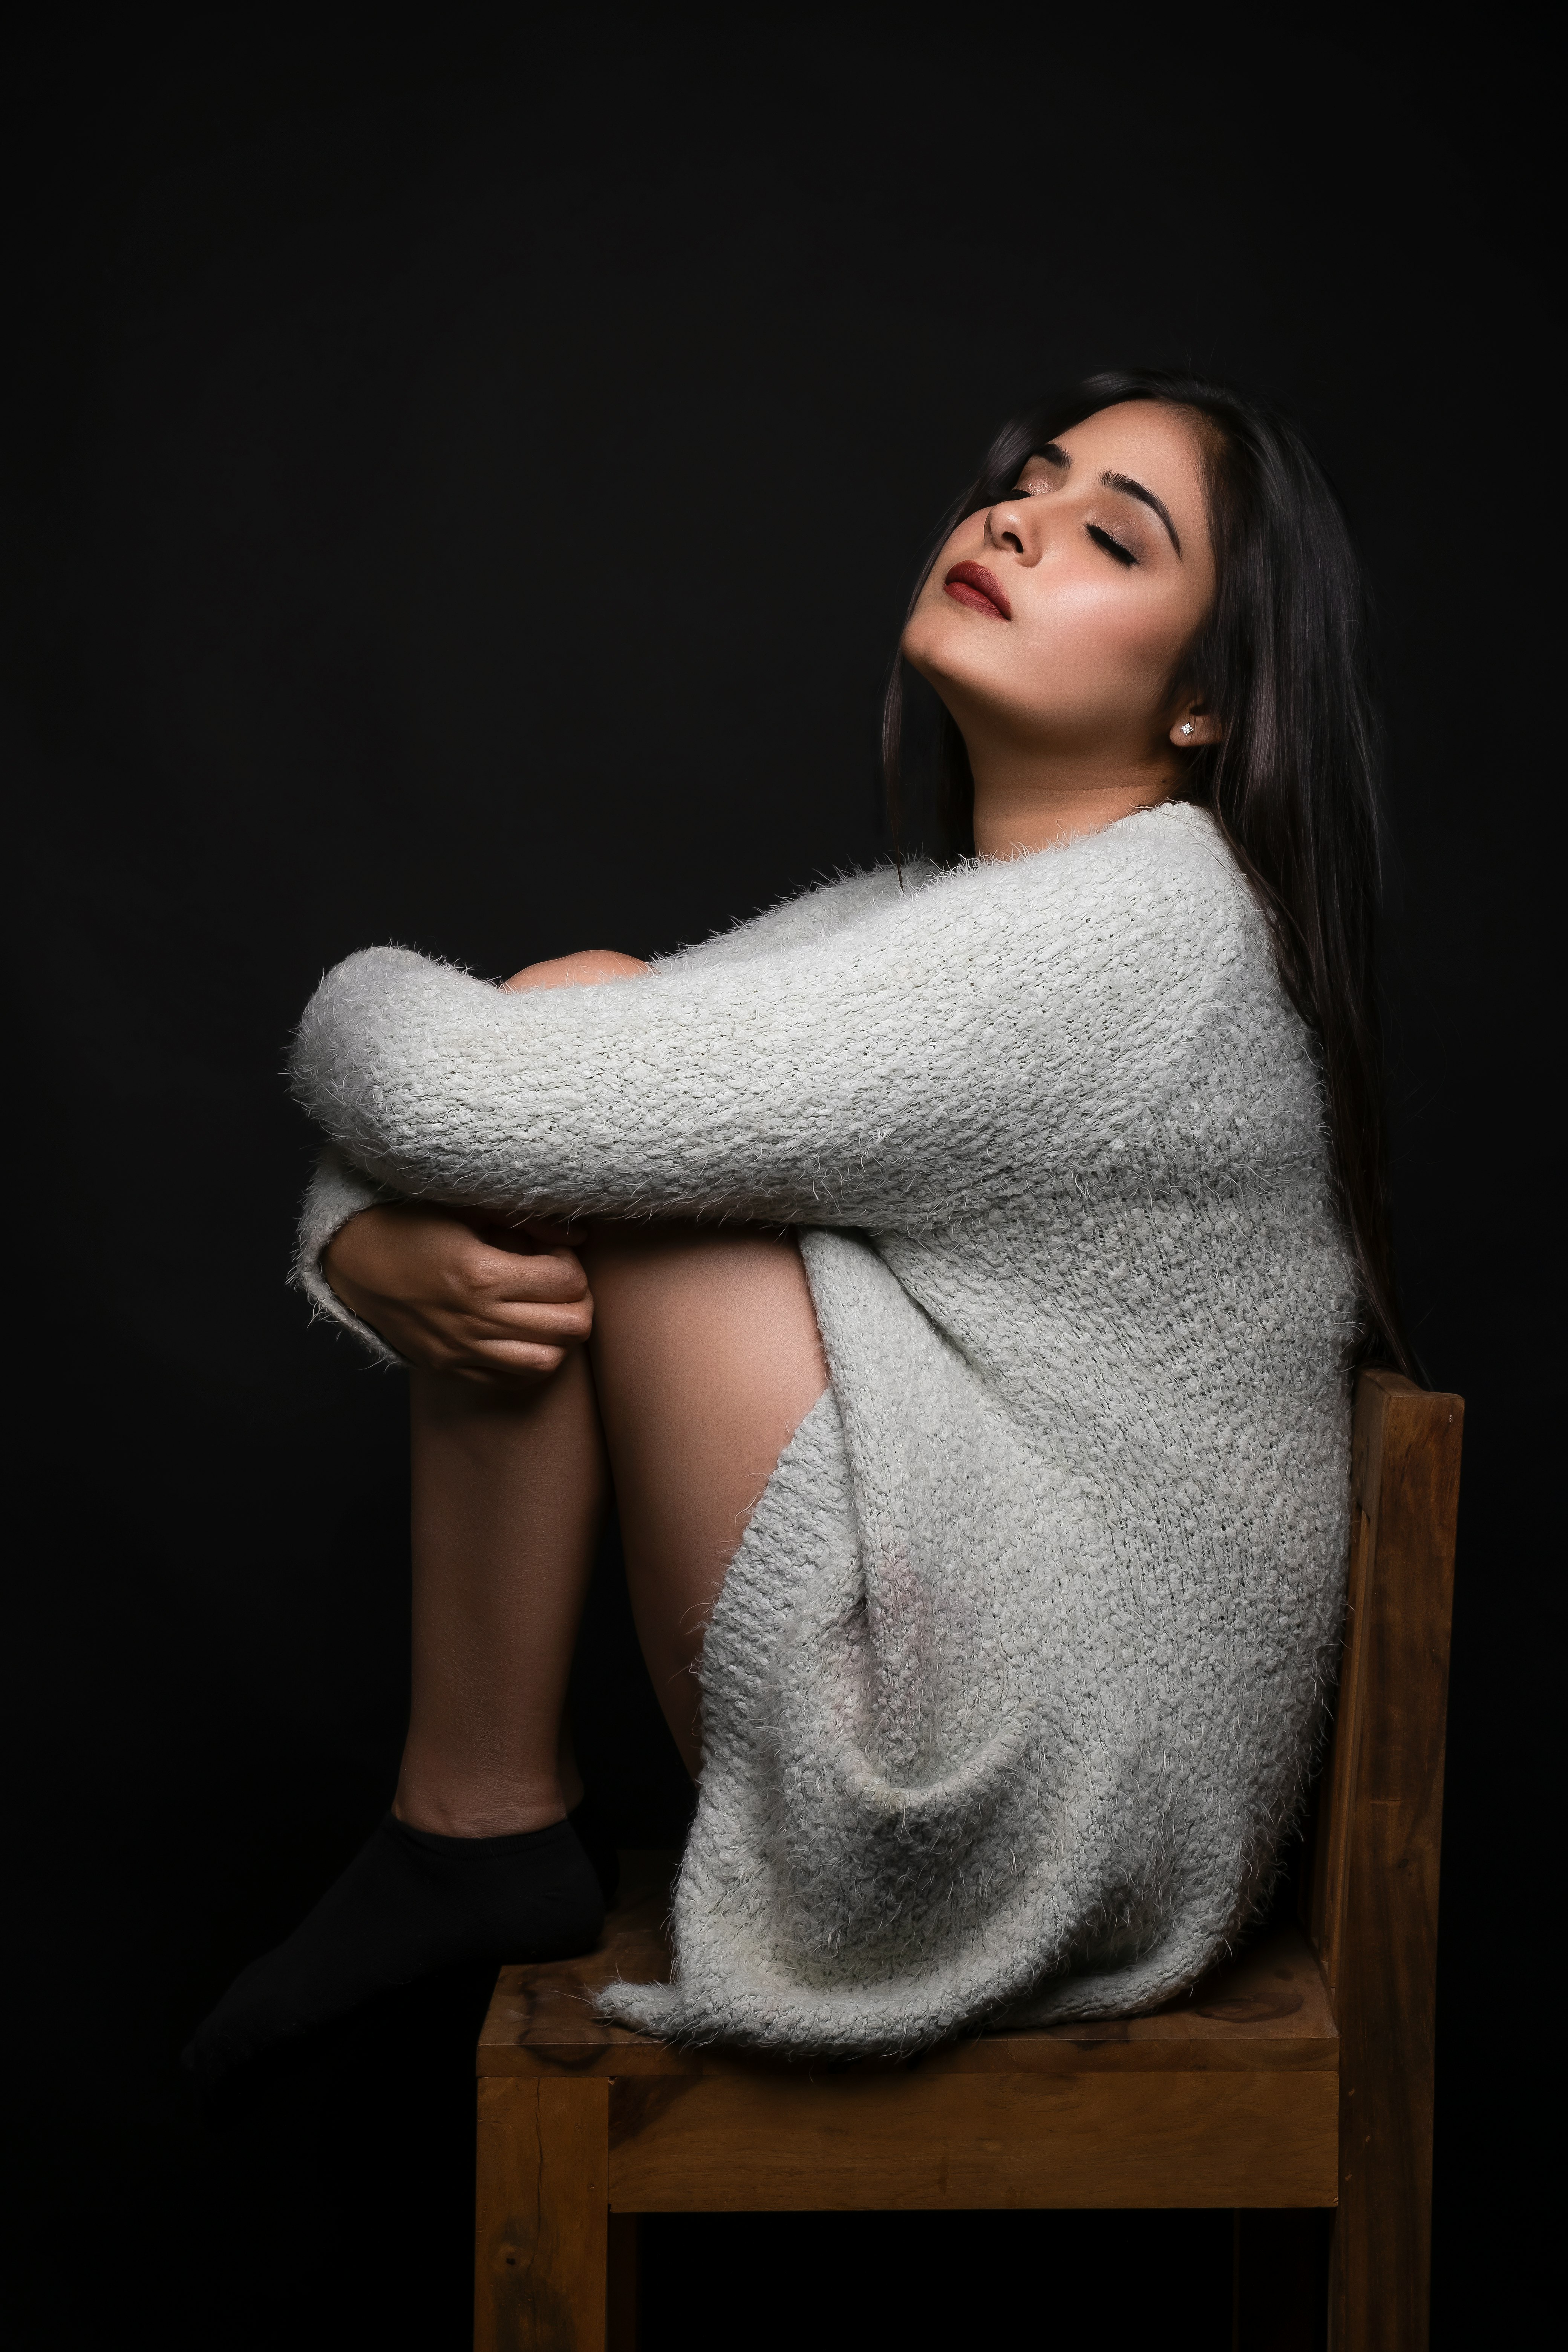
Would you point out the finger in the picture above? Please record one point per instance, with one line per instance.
(560, 1327)
(518, 1240)
(439, 1337)
(506, 1359)
(554, 1275)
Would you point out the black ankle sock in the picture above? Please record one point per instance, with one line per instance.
(410, 1903)
(595, 1834)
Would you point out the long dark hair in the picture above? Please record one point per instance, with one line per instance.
(1281, 662)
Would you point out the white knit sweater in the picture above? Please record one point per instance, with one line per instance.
(1010, 1690)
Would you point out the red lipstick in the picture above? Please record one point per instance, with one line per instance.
(971, 585)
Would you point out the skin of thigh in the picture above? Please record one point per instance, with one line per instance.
(706, 1358)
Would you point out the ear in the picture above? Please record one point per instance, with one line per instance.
(1194, 727)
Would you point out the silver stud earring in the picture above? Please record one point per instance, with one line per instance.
(1186, 726)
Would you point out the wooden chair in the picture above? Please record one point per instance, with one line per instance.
(1294, 2081)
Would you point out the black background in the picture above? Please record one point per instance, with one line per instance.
(461, 487)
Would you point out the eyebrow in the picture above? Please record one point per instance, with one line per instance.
(1055, 454)
(1125, 483)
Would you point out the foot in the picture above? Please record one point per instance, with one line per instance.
(410, 1903)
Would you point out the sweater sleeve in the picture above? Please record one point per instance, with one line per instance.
(337, 1192)
(887, 1074)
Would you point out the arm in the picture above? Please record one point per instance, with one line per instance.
(337, 1195)
(420, 1285)
(1003, 1027)
(826, 1081)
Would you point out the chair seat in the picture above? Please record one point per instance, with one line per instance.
(1241, 2093)
(1227, 2096)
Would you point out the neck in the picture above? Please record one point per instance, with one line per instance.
(1024, 803)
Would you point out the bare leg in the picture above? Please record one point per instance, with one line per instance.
(509, 1491)
(475, 1864)
(706, 1358)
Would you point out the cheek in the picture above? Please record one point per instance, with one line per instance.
(1086, 648)
(1094, 629)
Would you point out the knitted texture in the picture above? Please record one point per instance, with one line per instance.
(1010, 1688)
(337, 1192)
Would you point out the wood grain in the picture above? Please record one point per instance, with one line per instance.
(1382, 1954)
(624, 2301)
(540, 2215)
(1336, 1800)
(1247, 2093)
(1266, 2011)
(881, 2142)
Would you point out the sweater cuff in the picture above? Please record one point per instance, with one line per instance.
(337, 1192)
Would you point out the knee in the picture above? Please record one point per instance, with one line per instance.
(585, 968)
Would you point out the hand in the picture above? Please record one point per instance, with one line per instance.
(486, 1304)
(472, 1300)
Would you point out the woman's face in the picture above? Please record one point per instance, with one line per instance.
(1052, 621)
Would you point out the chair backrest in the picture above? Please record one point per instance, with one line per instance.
(1372, 1897)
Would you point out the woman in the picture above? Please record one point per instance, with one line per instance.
(967, 1259)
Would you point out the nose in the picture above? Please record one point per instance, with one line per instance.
(1011, 524)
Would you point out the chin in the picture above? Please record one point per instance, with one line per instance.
(949, 660)
(940, 648)
(915, 644)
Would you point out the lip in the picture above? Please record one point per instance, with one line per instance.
(971, 585)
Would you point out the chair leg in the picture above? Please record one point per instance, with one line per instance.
(1380, 2278)
(542, 2214)
(1280, 2281)
(622, 2314)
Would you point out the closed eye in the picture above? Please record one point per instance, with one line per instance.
(1112, 547)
